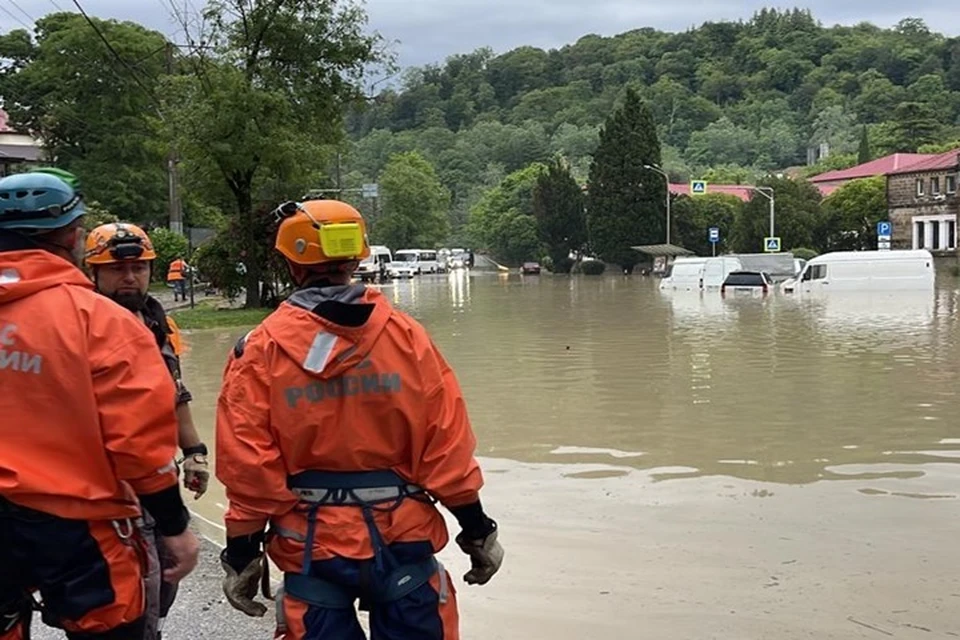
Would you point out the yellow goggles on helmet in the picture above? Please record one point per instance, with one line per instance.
(341, 239)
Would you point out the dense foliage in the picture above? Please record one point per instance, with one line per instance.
(731, 101)
(484, 150)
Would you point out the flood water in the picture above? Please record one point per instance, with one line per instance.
(695, 467)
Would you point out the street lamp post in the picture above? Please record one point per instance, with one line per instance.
(767, 192)
(666, 179)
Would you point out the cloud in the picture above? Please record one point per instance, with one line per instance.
(430, 30)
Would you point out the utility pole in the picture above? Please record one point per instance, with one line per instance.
(339, 172)
(173, 180)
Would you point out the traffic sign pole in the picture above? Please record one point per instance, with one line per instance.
(884, 235)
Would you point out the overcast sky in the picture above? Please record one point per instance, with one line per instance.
(429, 30)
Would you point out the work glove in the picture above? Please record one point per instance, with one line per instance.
(486, 556)
(196, 474)
(241, 589)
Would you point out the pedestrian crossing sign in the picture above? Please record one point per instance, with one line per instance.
(698, 187)
(771, 245)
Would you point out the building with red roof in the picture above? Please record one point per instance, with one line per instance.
(923, 204)
(742, 191)
(830, 181)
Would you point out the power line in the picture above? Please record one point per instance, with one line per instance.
(20, 9)
(15, 18)
(133, 72)
(54, 3)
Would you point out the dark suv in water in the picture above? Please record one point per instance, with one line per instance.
(746, 283)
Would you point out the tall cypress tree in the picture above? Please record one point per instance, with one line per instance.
(864, 154)
(558, 205)
(626, 203)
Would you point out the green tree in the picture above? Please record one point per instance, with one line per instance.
(916, 125)
(558, 205)
(797, 212)
(97, 215)
(837, 128)
(863, 154)
(626, 200)
(263, 98)
(723, 142)
(97, 119)
(415, 204)
(851, 214)
(503, 221)
(693, 217)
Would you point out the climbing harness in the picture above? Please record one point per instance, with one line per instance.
(373, 492)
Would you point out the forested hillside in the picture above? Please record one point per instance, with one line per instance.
(731, 100)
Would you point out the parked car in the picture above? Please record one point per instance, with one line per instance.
(746, 283)
(402, 269)
(530, 268)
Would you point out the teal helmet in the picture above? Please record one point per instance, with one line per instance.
(38, 201)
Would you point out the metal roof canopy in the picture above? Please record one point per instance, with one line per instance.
(658, 250)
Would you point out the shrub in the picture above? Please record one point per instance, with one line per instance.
(563, 266)
(593, 267)
(168, 245)
(217, 263)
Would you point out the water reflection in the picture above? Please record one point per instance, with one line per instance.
(610, 371)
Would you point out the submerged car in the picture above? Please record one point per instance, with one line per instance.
(530, 268)
(746, 283)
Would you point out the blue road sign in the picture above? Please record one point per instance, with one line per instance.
(884, 229)
(771, 245)
(714, 234)
(698, 187)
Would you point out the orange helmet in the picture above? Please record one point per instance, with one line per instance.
(319, 231)
(118, 242)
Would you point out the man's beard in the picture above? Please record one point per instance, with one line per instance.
(132, 301)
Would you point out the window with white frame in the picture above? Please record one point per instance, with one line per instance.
(935, 185)
(950, 183)
(919, 186)
(936, 233)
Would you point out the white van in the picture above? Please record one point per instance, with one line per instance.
(716, 270)
(369, 267)
(685, 274)
(867, 271)
(422, 260)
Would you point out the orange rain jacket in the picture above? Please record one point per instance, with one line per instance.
(87, 416)
(302, 393)
(175, 272)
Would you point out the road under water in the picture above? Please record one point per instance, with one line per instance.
(684, 466)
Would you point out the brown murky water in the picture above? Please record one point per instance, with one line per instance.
(683, 466)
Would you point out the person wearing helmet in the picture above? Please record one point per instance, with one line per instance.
(120, 259)
(341, 426)
(89, 431)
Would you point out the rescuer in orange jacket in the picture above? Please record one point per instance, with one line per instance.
(340, 425)
(176, 275)
(120, 258)
(88, 428)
